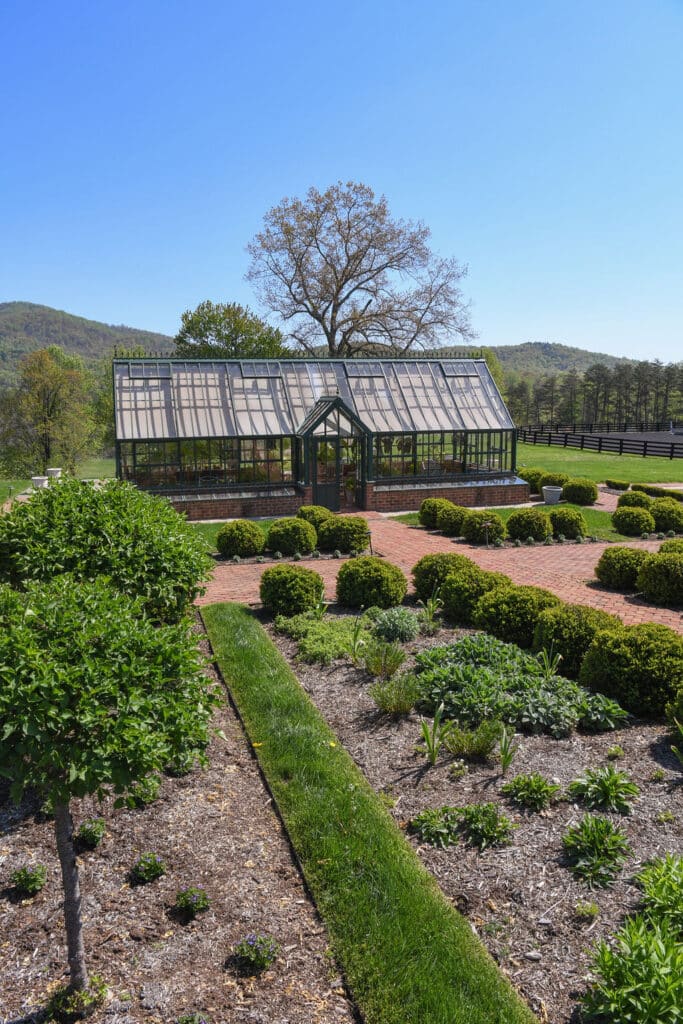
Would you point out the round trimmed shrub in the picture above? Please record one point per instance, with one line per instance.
(637, 665)
(291, 534)
(449, 520)
(569, 630)
(618, 567)
(667, 514)
(477, 524)
(429, 511)
(569, 522)
(316, 515)
(529, 522)
(368, 581)
(461, 590)
(553, 480)
(580, 491)
(290, 589)
(632, 522)
(532, 475)
(241, 537)
(674, 546)
(431, 570)
(344, 533)
(634, 499)
(510, 613)
(661, 579)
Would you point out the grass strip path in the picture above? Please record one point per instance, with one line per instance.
(408, 956)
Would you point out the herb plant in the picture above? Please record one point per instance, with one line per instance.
(662, 884)
(595, 849)
(532, 792)
(395, 696)
(383, 660)
(192, 901)
(91, 833)
(605, 789)
(147, 868)
(434, 735)
(474, 744)
(28, 881)
(438, 826)
(485, 825)
(255, 953)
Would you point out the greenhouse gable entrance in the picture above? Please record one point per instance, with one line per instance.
(334, 446)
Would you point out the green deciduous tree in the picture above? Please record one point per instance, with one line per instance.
(227, 331)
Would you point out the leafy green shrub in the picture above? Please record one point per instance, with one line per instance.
(639, 976)
(65, 1005)
(533, 792)
(662, 884)
(618, 485)
(618, 567)
(461, 591)
(528, 522)
(383, 660)
(429, 510)
(292, 534)
(674, 712)
(480, 527)
(604, 789)
(474, 744)
(568, 630)
(344, 533)
(192, 901)
(580, 491)
(397, 695)
(485, 825)
(145, 549)
(147, 868)
(569, 522)
(396, 624)
(290, 589)
(29, 880)
(316, 515)
(438, 826)
(553, 480)
(595, 849)
(661, 579)
(144, 792)
(667, 514)
(91, 833)
(637, 665)
(449, 520)
(431, 570)
(632, 522)
(634, 499)
(369, 580)
(674, 546)
(532, 475)
(254, 954)
(240, 537)
(658, 492)
(510, 613)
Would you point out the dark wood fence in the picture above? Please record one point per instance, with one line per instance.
(600, 443)
(608, 427)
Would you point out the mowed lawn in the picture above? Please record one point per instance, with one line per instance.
(600, 467)
(599, 523)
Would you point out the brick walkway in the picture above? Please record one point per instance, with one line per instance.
(565, 570)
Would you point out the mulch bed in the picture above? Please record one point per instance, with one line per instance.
(520, 898)
(215, 829)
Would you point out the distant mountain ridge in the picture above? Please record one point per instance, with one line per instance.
(542, 357)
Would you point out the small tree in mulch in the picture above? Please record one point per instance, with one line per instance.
(93, 699)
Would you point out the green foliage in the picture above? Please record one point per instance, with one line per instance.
(429, 511)
(604, 789)
(662, 884)
(637, 665)
(661, 579)
(428, 616)
(618, 485)
(291, 534)
(316, 515)
(634, 499)
(147, 868)
(383, 660)
(568, 630)
(321, 641)
(290, 589)
(344, 533)
(192, 901)
(586, 910)
(137, 541)
(144, 792)
(437, 826)
(396, 624)
(462, 589)
(580, 491)
(553, 480)
(91, 833)
(595, 849)
(639, 976)
(66, 1006)
(397, 695)
(618, 567)
(533, 792)
(430, 571)
(532, 475)
(476, 744)
(674, 546)
(449, 519)
(434, 735)
(658, 492)
(632, 522)
(528, 522)
(510, 613)
(615, 753)
(485, 825)
(667, 514)
(29, 880)
(254, 954)
(240, 537)
(481, 527)
(369, 580)
(226, 330)
(507, 748)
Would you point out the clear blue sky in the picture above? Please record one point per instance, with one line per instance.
(542, 142)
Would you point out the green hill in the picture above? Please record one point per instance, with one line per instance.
(25, 327)
(542, 357)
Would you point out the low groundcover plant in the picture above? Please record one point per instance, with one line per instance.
(255, 953)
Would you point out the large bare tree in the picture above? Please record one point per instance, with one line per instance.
(341, 271)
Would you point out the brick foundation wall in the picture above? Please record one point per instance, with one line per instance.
(404, 499)
(242, 506)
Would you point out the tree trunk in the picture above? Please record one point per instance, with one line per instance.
(64, 830)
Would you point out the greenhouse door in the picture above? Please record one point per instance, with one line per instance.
(326, 472)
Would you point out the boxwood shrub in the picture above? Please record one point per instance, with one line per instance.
(449, 520)
(618, 567)
(292, 534)
(569, 522)
(674, 545)
(241, 537)
(553, 480)
(658, 492)
(636, 665)
(569, 630)
(529, 522)
(661, 579)
(618, 485)
(634, 499)
(510, 613)
(290, 589)
(461, 590)
(632, 522)
(532, 475)
(369, 581)
(344, 533)
(429, 510)
(431, 570)
(478, 524)
(580, 491)
(315, 514)
(667, 514)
